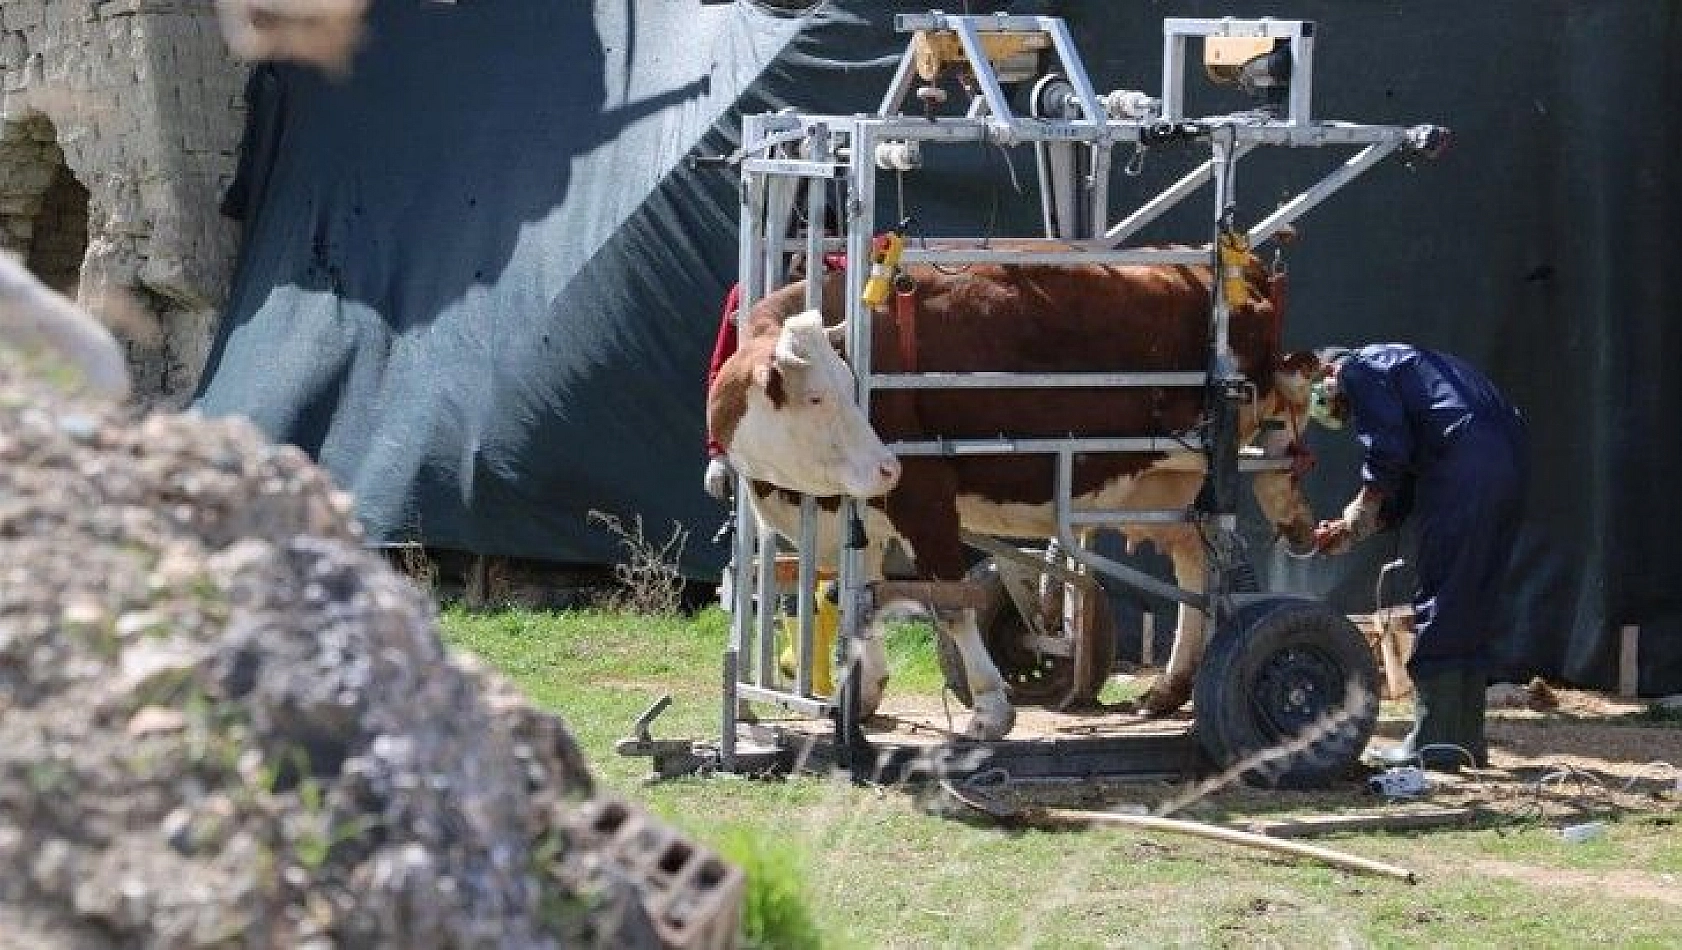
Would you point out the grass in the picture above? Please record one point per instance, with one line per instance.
(839, 865)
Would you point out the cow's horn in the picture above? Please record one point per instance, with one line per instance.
(788, 354)
(837, 335)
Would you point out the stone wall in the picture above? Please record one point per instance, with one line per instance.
(119, 121)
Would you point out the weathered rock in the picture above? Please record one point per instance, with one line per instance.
(225, 723)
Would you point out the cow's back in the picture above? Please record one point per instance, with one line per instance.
(1041, 319)
(1057, 319)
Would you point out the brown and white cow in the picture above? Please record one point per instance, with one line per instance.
(783, 408)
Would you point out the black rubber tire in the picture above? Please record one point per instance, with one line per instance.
(1282, 664)
(1030, 680)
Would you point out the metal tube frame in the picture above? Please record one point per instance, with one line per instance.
(845, 147)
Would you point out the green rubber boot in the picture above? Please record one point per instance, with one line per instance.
(1438, 720)
(1474, 690)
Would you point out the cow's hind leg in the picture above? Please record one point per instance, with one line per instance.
(992, 714)
(1173, 688)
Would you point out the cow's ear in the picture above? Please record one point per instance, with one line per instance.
(768, 377)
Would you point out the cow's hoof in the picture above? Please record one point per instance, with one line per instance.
(993, 717)
(1165, 697)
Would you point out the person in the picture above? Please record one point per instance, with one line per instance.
(719, 480)
(1443, 446)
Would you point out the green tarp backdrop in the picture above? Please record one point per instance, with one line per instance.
(480, 283)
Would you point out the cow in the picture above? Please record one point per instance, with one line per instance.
(783, 408)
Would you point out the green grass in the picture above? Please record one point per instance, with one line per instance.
(850, 866)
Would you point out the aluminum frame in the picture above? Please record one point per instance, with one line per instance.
(789, 146)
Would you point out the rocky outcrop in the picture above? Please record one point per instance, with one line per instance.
(224, 723)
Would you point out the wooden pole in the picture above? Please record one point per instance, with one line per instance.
(1338, 859)
(1070, 817)
(1629, 656)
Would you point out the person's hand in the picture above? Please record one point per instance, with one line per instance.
(1333, 537)
(720, 479)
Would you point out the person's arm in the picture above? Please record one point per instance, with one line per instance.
(1381, 426)
(1360, 520)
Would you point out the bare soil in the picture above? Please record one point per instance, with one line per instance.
(1591, 755)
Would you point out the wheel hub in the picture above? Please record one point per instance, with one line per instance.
(1294, 688)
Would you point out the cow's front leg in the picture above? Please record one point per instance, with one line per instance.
(993, 715)
(1173, 688)
(872, 666)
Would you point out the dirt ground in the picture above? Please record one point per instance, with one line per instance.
(1584, 755)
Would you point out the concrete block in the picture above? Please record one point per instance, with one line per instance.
(693, 896)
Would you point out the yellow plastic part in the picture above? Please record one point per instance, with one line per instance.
(1235, 256)
(826, 621)
(882, 266)
(1014, 55)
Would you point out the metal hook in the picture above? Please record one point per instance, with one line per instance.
(1136, 162)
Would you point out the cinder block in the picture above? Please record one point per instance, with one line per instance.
(693, 896)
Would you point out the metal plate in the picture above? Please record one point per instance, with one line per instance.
(916, 743)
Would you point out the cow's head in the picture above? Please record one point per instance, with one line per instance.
(1279, 494)
(801, 427)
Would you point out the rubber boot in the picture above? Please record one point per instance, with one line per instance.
(1437, 700)
(1474, 688)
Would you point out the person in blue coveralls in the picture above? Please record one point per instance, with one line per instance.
(1443, 447)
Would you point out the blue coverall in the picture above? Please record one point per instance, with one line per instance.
(1440, 440)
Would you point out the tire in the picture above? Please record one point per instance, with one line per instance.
(1282, 665)
(1030, 679)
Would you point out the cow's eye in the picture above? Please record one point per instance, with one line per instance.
(814, 400)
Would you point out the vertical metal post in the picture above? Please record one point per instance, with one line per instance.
(1042, 164)
(727, 728)
(749, 261)
(779, 212)
(1063, 160)
(1226, 389)
(815, 198)
(743, 579)
(804, 603)
(1302, 73)
(1099, 172)
(808, 546)
(1226, 171)
(765, 582)
(1173, 73)
(861, 225)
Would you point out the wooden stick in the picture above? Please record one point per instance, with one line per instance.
(1337, 859)
(1408, 820)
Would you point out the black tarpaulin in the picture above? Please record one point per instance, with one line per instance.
(480, 284)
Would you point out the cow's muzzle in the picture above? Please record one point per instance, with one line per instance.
(882, 480)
